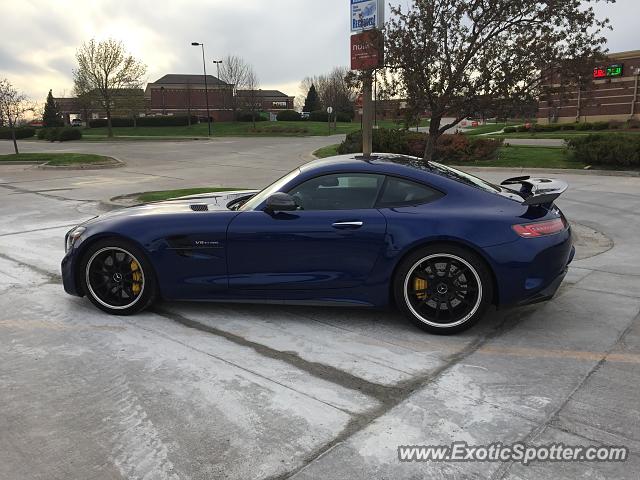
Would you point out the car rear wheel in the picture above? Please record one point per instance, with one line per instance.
(117, 277)
(443, 289)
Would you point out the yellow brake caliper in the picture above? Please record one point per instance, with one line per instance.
(137, 277)
(420, 286)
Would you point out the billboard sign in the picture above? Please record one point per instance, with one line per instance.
(610, 71)
(367, 50)
(367, 14)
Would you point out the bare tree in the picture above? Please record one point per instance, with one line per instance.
(447, 54)
(252, 100)
(105, 68)
(235, 71)
(87, 102)
(13, 106)
(131, 102)
(334, 89)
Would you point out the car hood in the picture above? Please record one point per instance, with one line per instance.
(193, 204)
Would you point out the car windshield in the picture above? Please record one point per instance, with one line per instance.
(276, 186)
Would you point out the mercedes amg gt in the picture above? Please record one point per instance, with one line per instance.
(440, 244)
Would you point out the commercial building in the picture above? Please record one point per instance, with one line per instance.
(610, 94)
(182, 94)
(272, 101)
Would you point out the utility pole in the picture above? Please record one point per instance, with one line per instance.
(206, 89)
(367, 114)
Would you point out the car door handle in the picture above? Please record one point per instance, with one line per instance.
(347, 225)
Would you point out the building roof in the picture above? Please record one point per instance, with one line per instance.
(263, 93)
(186, 78)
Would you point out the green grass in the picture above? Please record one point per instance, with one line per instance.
(530, 157)
(328, 151)
(566, 134)
(56, 159)
(166, 194)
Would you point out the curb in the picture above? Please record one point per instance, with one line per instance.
(89, 166)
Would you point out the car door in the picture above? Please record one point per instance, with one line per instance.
(332, 241)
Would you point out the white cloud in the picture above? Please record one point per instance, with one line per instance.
(285, 40)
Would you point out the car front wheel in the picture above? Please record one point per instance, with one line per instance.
(443, 289)
(117, 277)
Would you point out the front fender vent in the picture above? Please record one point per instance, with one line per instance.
(199, 207)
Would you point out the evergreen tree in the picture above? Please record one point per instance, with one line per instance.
(312, 102)
(52, 116)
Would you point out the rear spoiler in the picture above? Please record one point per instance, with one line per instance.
(538, 191)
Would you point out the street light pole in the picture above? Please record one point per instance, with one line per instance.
(206, 90)
(224, 99)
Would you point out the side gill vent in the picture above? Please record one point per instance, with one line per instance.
(199, 207)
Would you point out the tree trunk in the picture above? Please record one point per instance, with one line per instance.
(135, 122)
(13, 137)
(432, 138)
(109, 127)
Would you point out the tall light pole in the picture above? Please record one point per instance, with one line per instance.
(206, 90)
(224, 100)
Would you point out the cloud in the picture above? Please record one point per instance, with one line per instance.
(285, 40)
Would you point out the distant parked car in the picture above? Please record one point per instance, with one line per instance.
(76, 122)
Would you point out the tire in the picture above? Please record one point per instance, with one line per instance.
(443, 288)
(117, 277)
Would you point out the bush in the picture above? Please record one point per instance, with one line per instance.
(510, 130)
(344, 117)
(600, 125)
(616, 125)
(633, 123)
(289, 116)
(584, 126)
(21, 132)
(57, 134)
(319, 116)
(450, 148)
(607, 149)
(246, 116)
(551, 127)
(568, 126)
(522, 129)
(165, 121)
(69, 133)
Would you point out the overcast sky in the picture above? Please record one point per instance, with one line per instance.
(285, 40)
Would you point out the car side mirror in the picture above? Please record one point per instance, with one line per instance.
(281, 202)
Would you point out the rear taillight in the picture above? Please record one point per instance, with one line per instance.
(539, 229)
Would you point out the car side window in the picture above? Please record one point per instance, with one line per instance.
(338, 191)
(399, 191)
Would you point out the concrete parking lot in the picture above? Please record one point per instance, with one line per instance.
(207, 391)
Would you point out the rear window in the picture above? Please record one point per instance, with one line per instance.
(463, 177)
(398, 192)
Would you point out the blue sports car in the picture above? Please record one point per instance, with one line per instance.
(439, 243)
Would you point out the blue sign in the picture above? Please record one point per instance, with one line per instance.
(366, 14)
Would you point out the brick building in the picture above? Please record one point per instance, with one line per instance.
(181, 94)
(610, 94)
(272, 101)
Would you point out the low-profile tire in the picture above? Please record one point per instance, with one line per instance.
(117, 277)
(443, 288)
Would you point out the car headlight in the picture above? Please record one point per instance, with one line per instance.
(72, 237)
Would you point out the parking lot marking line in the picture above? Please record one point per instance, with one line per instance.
(68, 225)
(569, 354)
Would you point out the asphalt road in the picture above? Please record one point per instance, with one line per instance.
(207, 391)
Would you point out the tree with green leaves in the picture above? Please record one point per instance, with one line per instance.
(104, 69)
(312, 102)
(445, 56)
(52, 116)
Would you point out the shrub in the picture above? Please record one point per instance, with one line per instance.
(21, 132)
(319, 116)
(633, 123)
(522, 129)
(600, 125)
(289, 116)
(568, 126)
(69, 133)
(246, 116)
(344, 117)
(450, 148)
(510, 130)
(584, 126)
(615, 125)
(607, 149)
(164, 121)
(42, 133)
(51, 134)
(551, 127)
